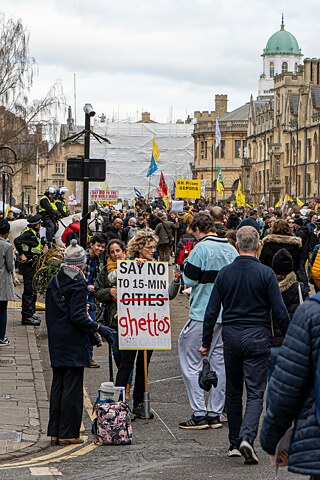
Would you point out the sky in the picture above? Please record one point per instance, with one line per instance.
(167, 57)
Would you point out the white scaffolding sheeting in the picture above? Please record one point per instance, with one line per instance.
(129, 154)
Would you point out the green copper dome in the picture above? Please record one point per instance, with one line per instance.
(282, 42)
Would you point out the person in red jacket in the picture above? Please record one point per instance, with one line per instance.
(72, 231)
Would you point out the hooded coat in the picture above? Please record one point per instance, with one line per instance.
(272, 243)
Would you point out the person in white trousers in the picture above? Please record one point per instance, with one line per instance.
(200, 270)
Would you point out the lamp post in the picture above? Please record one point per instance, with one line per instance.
(6, 172)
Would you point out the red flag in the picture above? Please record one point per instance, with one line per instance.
(163, 187)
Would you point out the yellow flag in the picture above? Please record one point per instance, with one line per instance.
(7, 211)
(278, 204)
(240, 198)
(287, 198)
(155, 150)
(166, 202)
(299, 203)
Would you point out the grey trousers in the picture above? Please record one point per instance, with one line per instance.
(191, 361)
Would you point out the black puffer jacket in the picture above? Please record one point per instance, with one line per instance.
(290, 294)
(291, 392)
(272, 243)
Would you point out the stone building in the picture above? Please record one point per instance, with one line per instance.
(284, 125)
(230, 153)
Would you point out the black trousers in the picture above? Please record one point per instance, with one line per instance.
(51, 227)
(66, 402)
(126, 366)
(246, 352)
(29, 297)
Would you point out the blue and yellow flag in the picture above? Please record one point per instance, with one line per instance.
(153, 167)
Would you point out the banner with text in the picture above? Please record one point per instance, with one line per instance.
(104, 196)
(143, 306)
(188, 188)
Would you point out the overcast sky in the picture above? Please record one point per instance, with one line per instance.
(168, 57)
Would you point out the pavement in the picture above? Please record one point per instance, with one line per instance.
(23, 396)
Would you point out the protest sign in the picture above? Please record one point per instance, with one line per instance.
(188, 188)
(143, 306)
(177, 206)
(104, 196)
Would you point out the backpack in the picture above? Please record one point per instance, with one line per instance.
(185, 250)
(317, 374)
(112, 425)
(313, 241)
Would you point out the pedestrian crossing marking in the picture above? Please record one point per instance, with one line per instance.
(39, 471)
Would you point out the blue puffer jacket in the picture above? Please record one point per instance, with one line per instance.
(291, 392)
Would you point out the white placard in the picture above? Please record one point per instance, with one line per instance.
(143, 306)
(177, 206)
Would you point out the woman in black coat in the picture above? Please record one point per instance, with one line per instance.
(280, 236)
(70, 331)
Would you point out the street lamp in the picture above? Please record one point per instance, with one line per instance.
(6, 173)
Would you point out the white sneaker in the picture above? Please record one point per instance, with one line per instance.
(248, 453)
(234, 452)
(5, 342)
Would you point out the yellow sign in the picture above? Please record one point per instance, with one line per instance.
(188, 188)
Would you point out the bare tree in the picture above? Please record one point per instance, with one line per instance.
(18, 115)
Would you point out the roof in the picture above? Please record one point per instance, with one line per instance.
(282, 42)
(240, 113)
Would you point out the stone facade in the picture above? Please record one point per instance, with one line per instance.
(283, 138)
(230, 153)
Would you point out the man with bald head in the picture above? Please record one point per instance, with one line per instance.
(218, 218)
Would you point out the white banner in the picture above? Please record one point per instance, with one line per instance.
(143, 306)
(177, 206)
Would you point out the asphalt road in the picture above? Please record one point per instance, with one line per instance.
(160, 449)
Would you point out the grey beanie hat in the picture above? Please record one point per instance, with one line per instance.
(74, 254)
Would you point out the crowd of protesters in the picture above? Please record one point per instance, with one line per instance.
(260, 265)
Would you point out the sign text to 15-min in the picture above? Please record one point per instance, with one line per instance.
(143, 306)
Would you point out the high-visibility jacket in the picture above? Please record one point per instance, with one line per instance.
(28, 243)
(51, 203)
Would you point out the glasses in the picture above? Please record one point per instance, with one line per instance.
(151, 247)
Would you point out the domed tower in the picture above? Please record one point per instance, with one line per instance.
(282, 54)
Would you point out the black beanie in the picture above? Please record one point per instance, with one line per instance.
(4, 227)
(282, 262)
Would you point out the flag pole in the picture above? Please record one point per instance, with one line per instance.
(149, 186)
(215, 169)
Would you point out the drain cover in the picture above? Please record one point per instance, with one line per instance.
(10, 436)
(7, 361)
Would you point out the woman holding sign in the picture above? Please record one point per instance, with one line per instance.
(106, 290)
(141, 248)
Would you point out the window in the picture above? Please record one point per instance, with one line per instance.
(309, 149)
(277, 172)
(203, 149)
(287, 154)
(271, 69)
(284, 67)
(237, 148)
(295, 68)
(244, 149)
(59, 168)
(60, 183)
(308, 184)
(222, 147)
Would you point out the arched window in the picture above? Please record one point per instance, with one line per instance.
(295, 68)
(284, 67)
(271, 69)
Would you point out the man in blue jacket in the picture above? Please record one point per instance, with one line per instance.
(247, 290)
(200, 270)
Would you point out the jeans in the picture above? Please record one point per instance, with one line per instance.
(246, 352)
(3, 319)
(128, 357)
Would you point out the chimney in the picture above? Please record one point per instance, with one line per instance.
(145, 117)
(221, 107)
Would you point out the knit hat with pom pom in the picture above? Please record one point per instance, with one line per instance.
(74, 254)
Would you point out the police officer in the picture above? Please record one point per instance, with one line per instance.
(49, 213)
(61, 202)
(29, 247)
